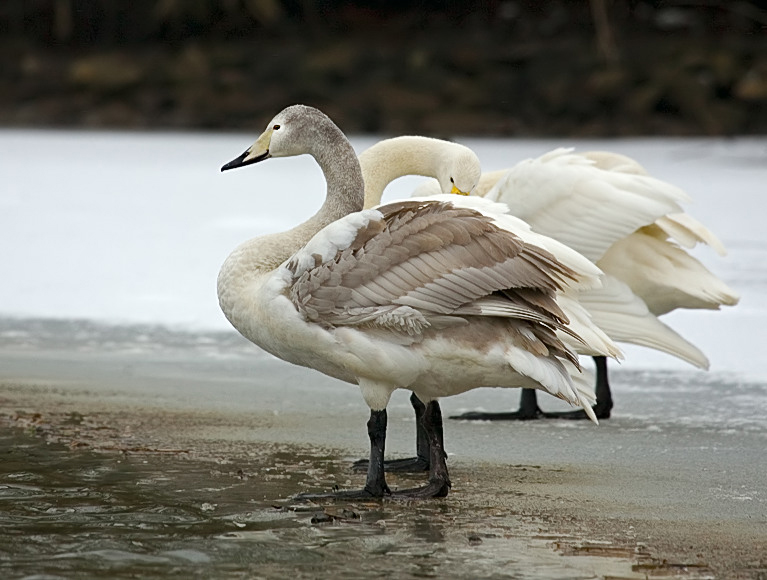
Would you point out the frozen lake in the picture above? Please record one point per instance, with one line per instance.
(132, 227)
(109, 324)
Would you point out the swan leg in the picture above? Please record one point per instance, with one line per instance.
(375, 484)
(411, 464)
(528, 404)
(439, 480)
(604, 402)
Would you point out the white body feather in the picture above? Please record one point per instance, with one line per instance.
(605, 206)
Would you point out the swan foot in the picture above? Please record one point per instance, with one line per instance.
(529, 410)
(439, 480)
(510, 416)
(346, 495)
(430, 444)
(375, 484)
(434, 489)
(408, 465)
(601, 410)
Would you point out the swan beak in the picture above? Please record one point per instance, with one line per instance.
(259, 151)
(458, 191)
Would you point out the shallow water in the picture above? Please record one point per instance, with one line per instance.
(74, 513)
(139, 452)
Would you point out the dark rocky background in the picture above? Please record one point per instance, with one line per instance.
(492, 67)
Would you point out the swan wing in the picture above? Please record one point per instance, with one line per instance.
(567, 196)
(625, 318)
(592, 339)
(413, 264)
(687, 232)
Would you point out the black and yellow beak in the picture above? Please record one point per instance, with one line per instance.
(259, 151)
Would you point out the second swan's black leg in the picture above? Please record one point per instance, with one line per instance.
(410, 464)
(375, 484)
(604, 402)
(604, 397)
(528, 405)
(439, 480)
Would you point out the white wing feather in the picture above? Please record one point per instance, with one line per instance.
(565, 196)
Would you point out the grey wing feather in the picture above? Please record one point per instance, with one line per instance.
(431, 264)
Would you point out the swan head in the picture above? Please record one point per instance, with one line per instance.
(293, 131)
(459, 171)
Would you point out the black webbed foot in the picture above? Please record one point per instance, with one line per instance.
(408, 465)
(529, 410)
(375, 483)
(510, 416)
(345, 495)
(433, 489)
(439, 480)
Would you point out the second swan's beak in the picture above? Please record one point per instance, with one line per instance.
(458, 191)
(259, 151)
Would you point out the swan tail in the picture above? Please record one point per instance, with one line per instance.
(583, 386)
(665, 339)
(558, 377)
(588, 337)
(664, 275)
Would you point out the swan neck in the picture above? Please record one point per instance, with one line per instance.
(344, 195)
(392, 158)
(343, 178)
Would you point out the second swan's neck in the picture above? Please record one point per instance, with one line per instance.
(392, 158)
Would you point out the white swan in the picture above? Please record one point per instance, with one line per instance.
(607, 207)
(455, 167)
(437, 296)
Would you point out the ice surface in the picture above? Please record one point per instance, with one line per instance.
(132, 227)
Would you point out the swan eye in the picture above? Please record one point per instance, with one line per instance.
(275, 127)
(451, 181)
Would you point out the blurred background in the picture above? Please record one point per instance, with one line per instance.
(580, 68)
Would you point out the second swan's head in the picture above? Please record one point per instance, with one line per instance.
(293, 131)
(459, 170)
